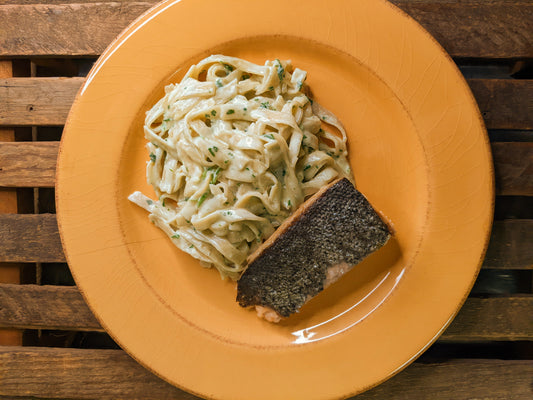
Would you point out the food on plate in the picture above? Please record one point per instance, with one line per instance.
(330, 233)
(234, 149)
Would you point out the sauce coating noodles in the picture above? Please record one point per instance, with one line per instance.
(235, 148)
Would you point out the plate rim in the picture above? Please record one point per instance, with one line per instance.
(141, 21)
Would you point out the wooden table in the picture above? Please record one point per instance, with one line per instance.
(53, 347)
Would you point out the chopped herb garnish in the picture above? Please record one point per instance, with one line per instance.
(149, 202)
(163, 203)
(176, 236)
(152, 157)
(213, 113)
(307, 167)
(202, 198)
(231, 111)
(324, 117)
(300, 84)
(226, 161)
(271, 88)
(226, 203)
(283, 172)
(214, 177)
(218, 83)
(207, 116)
(244, 77)
(204, 173)
(289, 203)
(167, 120)
(270, 136)
(281, 71)
(244, 108)
(228, 67)
(211, 151)
(253, 176)
(191, 246)
(247, 169)
(266, 104)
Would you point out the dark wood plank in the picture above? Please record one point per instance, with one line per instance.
(458, 380)
(62, 307)
(493, 29)
(37, 101)
(513, 168)
(31, 164)
(109, 374)
(30, 238)
(504, 103)
(45, 307)
(80, 374)
(492, 319)
(510, 245)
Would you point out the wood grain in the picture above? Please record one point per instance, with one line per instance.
(31, 164)
(513, 167)
(62, 307)
(493, 29)
(30, 238)
(79, 374)
(504, 103)
(462, 379)
(492, 319)
(45, 307)
(510, 245)
(110, 374)
(37, 101)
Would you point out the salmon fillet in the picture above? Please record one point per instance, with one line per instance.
(331, 232)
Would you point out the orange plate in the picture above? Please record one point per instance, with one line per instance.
(419, 152)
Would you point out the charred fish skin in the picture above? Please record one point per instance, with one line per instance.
(337, 225)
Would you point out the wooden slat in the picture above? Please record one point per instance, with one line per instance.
(495, 28)
(491, 319)
(511, 245)
(80, 374)
(45, 307)
(513, 167)
(62, 307)
(110, 374)
(30, 238)
(31, 164)
(458, 380)
(504, 103)
(37, 101)
(27, 164)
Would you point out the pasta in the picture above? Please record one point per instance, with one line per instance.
(235, 148)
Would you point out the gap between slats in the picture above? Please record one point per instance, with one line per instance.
(109, 374)
(63, 308)
(491, 29)
(504, 103)
(25, 164)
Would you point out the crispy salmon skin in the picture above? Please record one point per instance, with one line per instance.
(331, 232)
